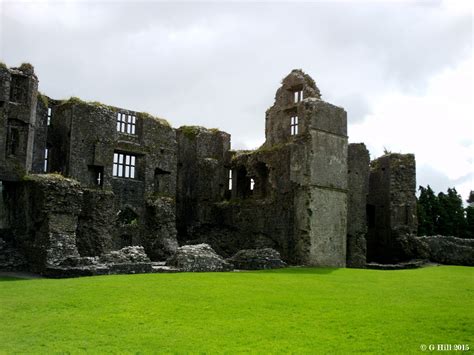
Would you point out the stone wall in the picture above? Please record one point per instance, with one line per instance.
(391, 206)
(445, 249)
(18, 102)
(40, 136)
(84, 137)
(96, 222)
(319, 170)
(303, 192)
(158, 232)
(358, 188)
(202, 179)
(258, 218)
(277, 120)
(44, 215)
(291, 194)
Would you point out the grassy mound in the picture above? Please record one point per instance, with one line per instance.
(298, 310)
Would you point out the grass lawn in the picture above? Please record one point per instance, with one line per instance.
(299, 310)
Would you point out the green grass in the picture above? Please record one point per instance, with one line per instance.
(295, 310)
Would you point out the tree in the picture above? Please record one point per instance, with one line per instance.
(469, 222)
(451, 220)
(427, 208)
(470, 216)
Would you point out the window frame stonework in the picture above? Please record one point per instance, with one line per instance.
(124, 165)
(126, 123)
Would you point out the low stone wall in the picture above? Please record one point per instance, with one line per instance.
(446, 249)
(257, 259)
(198, 258)
(11, 258)
(128, 260)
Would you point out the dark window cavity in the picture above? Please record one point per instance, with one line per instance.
(96, 173)
(18, 89)
(161, 180)
(127, 217)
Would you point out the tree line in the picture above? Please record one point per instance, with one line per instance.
(444, 214)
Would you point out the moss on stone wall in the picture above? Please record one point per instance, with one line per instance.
(272, 148)
(73, 100)
(190, 131)
(27, 68)
(44, 99)
(50, 176)
(147, 116)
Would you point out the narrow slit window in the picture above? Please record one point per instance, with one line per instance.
(252, 184)
(124, 166)
(297, 96)
(49, 116)
(294, 125)
(230, 179)
(46, 153)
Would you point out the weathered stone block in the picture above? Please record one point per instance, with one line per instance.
(96, 222)
(257, 259)
(158, 235)
(358, 187)
(200, 257)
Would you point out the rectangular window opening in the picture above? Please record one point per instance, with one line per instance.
(230, 179)
(297, 96)
(46, 153)
(49, 116)
(124, 166)
(126, 123)
(294, 125)
(96, 175)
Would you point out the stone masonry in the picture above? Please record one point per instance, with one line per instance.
(82, 179)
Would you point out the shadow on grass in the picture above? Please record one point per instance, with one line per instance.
(298, 270)
(8, 278)
(18, 276)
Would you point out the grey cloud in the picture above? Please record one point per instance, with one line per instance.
(438, 180)
(358, 104)
(219, 65)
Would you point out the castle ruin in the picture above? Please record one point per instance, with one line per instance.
(79, 179)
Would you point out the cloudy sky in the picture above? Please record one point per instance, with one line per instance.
(402, 70)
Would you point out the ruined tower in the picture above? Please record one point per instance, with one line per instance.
(290, 194)
(358, 161)
(18, 98)
(391, 206)
(317, 134)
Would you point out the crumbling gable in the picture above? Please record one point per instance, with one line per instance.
(291, 193)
